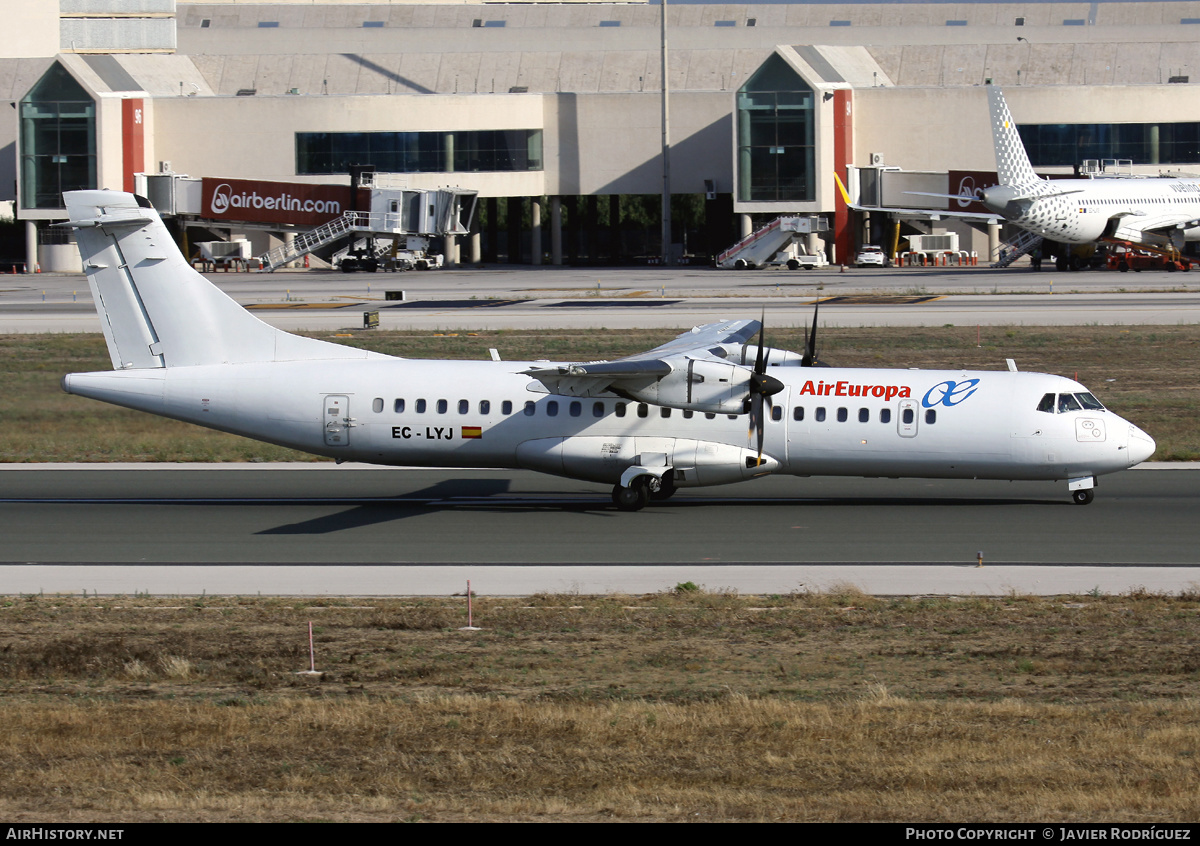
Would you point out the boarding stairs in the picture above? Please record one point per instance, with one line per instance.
(326, 233)
(1022, 245)
(759, 247)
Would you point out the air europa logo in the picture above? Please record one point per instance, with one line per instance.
(848, 389)
(949, 393)
(225, 198)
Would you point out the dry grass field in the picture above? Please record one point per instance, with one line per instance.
(1151, 375)
(688, 705)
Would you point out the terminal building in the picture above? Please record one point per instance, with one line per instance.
(552, 113)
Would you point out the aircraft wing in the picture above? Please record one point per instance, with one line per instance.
(634, 374)
(1162, 222)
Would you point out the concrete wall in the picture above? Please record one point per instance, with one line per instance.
(33, 28)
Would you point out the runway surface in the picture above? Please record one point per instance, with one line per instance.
(527, 298)
(320, 529)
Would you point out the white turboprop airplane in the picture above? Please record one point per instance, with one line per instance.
(1155, 212)
(673, 417)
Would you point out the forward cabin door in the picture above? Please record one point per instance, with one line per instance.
(907, 422)
(336, 420)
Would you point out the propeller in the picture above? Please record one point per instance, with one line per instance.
(810, 341)
(762, 388)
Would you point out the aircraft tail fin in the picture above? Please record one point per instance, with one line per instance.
(1012, 163)
(155, 309)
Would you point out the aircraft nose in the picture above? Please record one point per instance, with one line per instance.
(1141, 445)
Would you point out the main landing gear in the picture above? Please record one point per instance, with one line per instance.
(640, 491)
(1083, 497)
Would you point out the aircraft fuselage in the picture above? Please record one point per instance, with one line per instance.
(826, 421)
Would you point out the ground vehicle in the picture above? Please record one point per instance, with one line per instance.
(1124, 259)
(870, 255)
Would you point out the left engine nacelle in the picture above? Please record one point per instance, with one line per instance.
(700, 385)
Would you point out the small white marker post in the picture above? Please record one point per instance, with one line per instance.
(312, 656)
(470, 626)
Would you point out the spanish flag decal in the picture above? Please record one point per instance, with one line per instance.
(472, 432)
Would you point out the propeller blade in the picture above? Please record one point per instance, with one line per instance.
(810, 340)
(759, 366)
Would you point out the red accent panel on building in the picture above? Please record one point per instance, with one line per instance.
(133, 140)
(843, 154)
(296, 203)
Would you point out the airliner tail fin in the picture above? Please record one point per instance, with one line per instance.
(155, 309)
(1012, 163)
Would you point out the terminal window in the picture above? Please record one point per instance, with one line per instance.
(775, 131)
(58, 140)
(1143, 143)
(503, 150)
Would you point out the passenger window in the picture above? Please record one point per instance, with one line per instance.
(885, 415)
(506, 407)
(798, 413)
(821, 414)
(842, 415)
(930, 415)
(620, 409)
(463, 406)
(1047, 404)
(598, 409)
(420, 406)
(665, 412)
(777, 413)
(377, 404)
(864, 415)
(687, 414)
(552, 409)
(442, 406)
(1066, 402)
(398, 406)
(529, 409)
(907, 417)
(643, 409)
(575, 408)
(485, 406)
(709, 415)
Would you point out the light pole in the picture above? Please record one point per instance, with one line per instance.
(666, 146)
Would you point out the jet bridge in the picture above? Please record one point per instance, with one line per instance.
(409, 214)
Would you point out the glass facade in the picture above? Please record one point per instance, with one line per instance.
(420, 152)
(1144, 143)
(58, 140)
(775, 129)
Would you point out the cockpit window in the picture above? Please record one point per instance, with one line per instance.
(1062, 403)
(1067, 402)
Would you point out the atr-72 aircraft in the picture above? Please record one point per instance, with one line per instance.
(708, 408)
(1158, 213)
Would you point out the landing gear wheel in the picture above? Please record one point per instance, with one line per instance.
(1083, 497)
(632, 498)
(665, 491)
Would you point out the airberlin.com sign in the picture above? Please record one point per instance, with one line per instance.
(273, 202)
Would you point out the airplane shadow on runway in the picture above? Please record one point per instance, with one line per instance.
(455, 494)
(473, 495)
